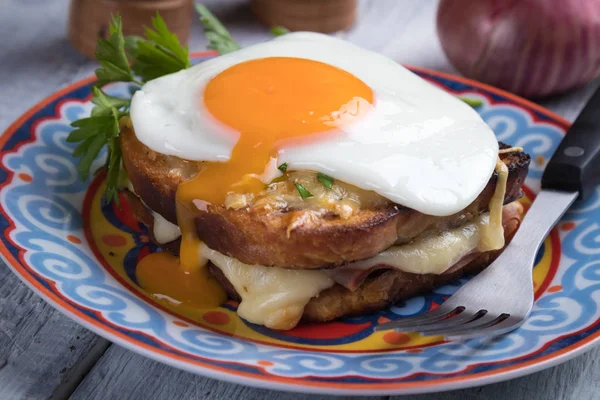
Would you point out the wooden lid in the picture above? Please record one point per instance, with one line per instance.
(89, 19)
(307, 15)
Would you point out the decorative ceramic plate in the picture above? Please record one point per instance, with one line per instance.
(81, 257)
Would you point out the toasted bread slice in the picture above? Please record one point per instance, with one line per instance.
(295, 237)
(385, 287)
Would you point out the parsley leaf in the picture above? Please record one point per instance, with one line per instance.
(475, 103)
(283, 167)
(304, 193)
(90, 127)
(93, 147)
(326, 180)
(279, 30)
(94, 133)
(113, 166)
(105, 102)
(110, 53)
(218, 36)
(160, 53)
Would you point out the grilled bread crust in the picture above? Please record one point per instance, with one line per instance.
(295, 238)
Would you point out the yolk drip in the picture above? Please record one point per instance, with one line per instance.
(268, 102)
(161, 275)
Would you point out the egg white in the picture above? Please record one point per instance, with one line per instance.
(418, 146)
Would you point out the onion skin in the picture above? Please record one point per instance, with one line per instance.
(533, 48)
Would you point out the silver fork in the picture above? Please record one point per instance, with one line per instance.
(500, 298)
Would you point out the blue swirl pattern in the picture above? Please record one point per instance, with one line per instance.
(47, 210)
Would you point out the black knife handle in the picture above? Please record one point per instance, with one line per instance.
(575, 166)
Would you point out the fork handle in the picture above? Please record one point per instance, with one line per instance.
(575, 166)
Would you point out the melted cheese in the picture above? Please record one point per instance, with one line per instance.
(433, 254)
(276, 297)
(273, 297)
(164, 231)
(510, 150)
(492, 234)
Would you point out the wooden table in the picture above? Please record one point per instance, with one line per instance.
(45, 355)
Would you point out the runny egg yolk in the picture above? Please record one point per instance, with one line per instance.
(268, 102)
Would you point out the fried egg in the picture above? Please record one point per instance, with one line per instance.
(317, 103)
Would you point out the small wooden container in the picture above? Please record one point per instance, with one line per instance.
(307, 15)
(89, 19)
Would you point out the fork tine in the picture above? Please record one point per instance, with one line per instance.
(470, 327)
(509, 324)
(450, 322)
(432, 316)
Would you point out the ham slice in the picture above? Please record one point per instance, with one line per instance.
(351, 276)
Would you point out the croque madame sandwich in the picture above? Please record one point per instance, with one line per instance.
(310, 179)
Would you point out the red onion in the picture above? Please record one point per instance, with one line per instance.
(530, 47)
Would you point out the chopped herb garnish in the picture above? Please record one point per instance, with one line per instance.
(326, 180)
(304, 193)
(283, 167)
(475, 103)
(218, 36)
(279, 30)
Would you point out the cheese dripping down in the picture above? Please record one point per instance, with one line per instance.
(271, 296)
(492, 233)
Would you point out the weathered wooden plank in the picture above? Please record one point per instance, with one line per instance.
(122, 374)
(577, 379)
(125, 375)
(42, 353)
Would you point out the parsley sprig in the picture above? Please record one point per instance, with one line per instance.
(96, 131)
(218, 36)
(110, 53)
(122, 59)
(161, 54)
